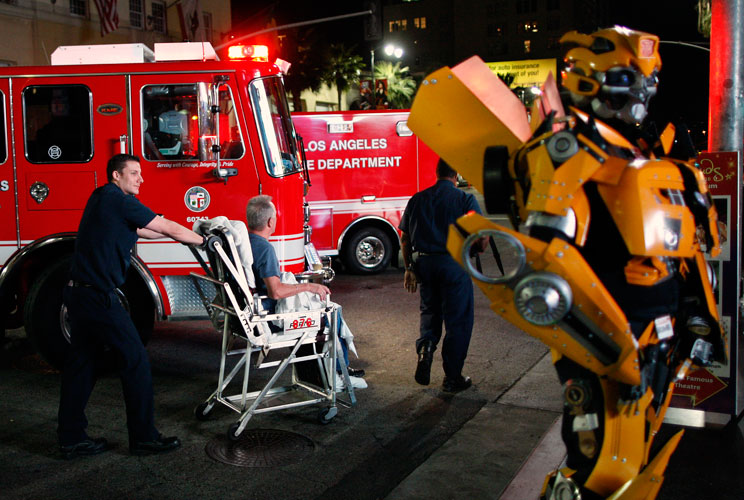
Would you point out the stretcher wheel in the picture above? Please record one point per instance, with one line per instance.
(232, 431)
(325, 415)
(202, 411)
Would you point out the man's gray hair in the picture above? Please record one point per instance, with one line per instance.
(259, 211)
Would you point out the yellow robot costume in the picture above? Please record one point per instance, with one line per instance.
(607, 268)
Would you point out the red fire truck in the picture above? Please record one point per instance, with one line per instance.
(364, 166)
(210, 134)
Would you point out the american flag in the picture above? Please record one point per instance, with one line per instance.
(109, 16)
(192, 26)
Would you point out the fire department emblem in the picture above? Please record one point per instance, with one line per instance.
(197, 199)
(54, 152)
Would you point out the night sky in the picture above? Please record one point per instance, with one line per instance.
(683, 89)
(683, 81)
(249, 16)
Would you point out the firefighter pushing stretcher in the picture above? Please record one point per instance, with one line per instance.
(608, 270)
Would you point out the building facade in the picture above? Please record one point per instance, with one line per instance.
(33, 29)
(435, 33)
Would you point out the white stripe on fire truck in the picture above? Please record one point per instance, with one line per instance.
(175, 265)
(286, 237)
(356, 205)
(6, 250)
(163, 253)
(290, 249)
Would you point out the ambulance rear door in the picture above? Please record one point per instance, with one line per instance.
(67, 127)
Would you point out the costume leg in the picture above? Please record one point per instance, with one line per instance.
(583, 396)
(430, 329)
(78, 375)
(458, 317)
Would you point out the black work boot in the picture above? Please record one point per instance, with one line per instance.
(425, 357)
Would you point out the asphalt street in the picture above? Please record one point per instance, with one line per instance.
(401, 441)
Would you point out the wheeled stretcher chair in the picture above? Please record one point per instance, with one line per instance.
(248, 338)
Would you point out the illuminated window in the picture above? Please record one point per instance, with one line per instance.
(397, 25)
(79, 8)
(158, 17)
(527, 45)
(528, 27)
(419, 23)
(136, 13)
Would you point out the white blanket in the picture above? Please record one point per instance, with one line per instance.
(304, 301)
(239, 233)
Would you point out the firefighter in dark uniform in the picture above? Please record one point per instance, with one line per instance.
(446, 289)
(112, 221)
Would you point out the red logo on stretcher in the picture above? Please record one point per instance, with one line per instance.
(302, 322)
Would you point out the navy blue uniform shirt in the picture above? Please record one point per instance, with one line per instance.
(265, 265)
(430, 212)
(107, 233)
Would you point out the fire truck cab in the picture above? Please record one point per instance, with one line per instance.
(364, 167)
(210, 135)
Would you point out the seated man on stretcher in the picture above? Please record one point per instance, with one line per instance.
(261, 219)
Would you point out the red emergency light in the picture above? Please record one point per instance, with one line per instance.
(252, 52)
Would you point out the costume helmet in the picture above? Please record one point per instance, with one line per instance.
(614, 71)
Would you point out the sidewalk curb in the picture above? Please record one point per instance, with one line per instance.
(546, 457)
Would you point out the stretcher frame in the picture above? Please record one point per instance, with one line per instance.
(239, 314)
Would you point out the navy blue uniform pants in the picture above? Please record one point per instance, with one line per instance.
(446, 297)
(98, 319)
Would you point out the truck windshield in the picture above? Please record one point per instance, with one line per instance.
(275, 126)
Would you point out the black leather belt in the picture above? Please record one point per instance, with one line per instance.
(79, 284)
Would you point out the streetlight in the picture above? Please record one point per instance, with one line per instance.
(390, 50)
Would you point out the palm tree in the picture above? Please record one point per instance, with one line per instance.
(342, 68)
(400, 86)
(307, 64)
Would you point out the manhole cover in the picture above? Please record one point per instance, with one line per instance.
(261, 448)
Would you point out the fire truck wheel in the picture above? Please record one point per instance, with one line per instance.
(44, 316)
(368, 251)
